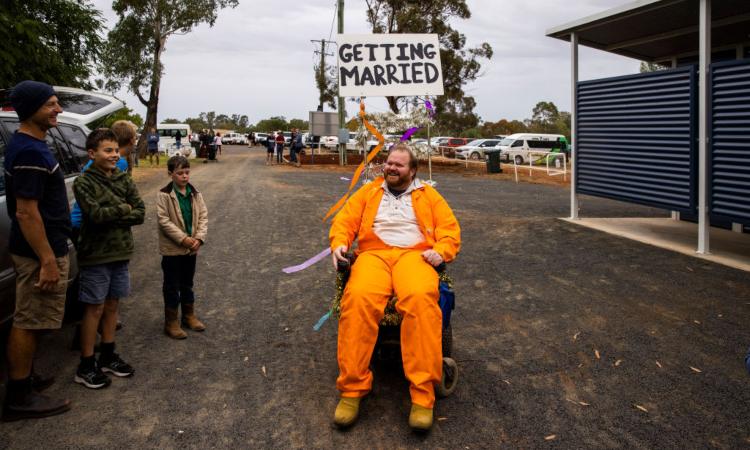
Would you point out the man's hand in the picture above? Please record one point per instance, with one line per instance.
(338, 255)
(49, 275)
(432, 257)
(196, 245)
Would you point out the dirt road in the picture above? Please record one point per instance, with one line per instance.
(566, 337)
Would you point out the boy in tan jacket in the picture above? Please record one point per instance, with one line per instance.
(183, 224)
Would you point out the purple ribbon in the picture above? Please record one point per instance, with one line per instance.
(307, 263)
(408, 133)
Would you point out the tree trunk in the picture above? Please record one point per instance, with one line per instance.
(153, 98)
(393, 104)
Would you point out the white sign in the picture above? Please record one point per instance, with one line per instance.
(379, 65)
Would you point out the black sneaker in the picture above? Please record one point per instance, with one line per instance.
(116, 366)
(92, 378)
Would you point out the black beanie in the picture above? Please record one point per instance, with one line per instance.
(28, 96)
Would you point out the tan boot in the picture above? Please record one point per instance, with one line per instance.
(189, 318)
(420, 418)
(347, 411)
(172, 325)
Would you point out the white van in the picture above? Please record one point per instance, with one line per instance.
(516, 147)
(167, 132)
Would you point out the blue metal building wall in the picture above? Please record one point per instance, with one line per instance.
(635, 138)
(729, 163)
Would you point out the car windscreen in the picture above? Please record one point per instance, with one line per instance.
(475, 143)
(507, 142)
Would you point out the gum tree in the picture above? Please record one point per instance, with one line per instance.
(137, 42)
(461, 65)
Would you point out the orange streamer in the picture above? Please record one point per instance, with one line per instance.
(361, 167)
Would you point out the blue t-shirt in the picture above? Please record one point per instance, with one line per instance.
(32, 172)
(153, 141)
(76, 216)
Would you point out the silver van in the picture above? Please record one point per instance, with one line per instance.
(516, 147)
(68, 143)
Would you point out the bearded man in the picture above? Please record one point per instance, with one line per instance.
(404, 229)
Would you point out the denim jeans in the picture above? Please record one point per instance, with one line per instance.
(178, 279)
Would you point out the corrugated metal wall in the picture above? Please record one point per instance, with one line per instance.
(729, 167)
(636, 138)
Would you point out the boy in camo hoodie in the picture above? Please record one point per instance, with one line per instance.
(110, 205)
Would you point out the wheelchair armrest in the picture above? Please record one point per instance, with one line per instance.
(345, 266)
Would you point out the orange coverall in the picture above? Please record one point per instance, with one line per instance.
(379, 271)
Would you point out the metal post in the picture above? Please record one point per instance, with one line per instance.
(703, 99)
(342, 110)
(573, 125)
(429, 153)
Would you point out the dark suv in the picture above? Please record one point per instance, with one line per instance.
(68, 143)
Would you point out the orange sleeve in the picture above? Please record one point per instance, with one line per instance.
(345, 225)
(447, 230)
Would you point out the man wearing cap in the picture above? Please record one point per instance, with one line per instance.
(40, 227)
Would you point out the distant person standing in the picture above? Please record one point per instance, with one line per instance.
(153, 146)
(217, 143)
(178, 139)
(279, 140)
(296, 147)
(270, 144)
(195, 142)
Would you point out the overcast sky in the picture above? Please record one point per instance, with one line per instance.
(258, 59)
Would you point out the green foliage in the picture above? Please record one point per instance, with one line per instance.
(170, 121)
(274, 123)
(651, 67)
(460, 65)
(122, 114)
(299, 123)
(54, 41)
(326, 82)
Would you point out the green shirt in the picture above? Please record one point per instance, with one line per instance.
(186, 208)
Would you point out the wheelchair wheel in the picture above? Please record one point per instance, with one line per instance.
(450, 378)
(447, 341)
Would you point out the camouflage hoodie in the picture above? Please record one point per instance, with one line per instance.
(105, 230)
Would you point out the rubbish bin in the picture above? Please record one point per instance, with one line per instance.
(493, 161)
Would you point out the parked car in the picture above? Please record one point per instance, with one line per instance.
(516, 147)
(68, 143)
(448, 149)
(437, 141)
(261, 138)
(233, 138)
(475, 149)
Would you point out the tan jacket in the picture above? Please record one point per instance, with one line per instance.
(172, 226)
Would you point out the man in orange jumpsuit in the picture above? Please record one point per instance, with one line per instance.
(404, 228)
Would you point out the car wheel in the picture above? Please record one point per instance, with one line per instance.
(518, 159)
(474, 156)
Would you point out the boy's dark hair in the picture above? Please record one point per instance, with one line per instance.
(99, 135)
(177, 162)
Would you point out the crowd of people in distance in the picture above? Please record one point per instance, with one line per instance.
(275, 145)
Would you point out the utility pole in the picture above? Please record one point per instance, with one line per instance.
(322, 77)
(342, 110)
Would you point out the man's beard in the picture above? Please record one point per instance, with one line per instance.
(402, 181)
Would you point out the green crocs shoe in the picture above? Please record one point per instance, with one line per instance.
(347, 411)
(420, 418)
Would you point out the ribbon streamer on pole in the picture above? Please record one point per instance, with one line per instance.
(361, 167)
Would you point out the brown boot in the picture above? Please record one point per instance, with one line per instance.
(172, 325)
(189, 319)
